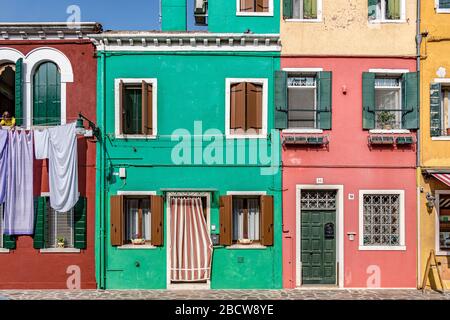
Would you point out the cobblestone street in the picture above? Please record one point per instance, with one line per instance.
(337, 294)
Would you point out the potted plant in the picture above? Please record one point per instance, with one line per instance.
(386, 118)
(61, 242)
(245, 241)
(137, 241)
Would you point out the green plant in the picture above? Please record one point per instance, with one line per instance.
(386, 117)
(60, 239)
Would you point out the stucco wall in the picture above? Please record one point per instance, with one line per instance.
(345, 30)
(26, 267)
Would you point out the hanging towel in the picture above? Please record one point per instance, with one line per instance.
(41, 141)
(63, 167)
(3, 163)
(19, 207)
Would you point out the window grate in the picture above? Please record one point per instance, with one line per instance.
(60, 225)
(318, 200)
(381, 214)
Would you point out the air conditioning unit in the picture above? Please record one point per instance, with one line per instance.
(201, 12)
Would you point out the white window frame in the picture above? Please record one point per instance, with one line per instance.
(254, 14)
(246, 193)
(402, 245)
(60, 250)
(319, 15)
(438, 9)
(137, 81)
(438, 250)
(263, 131)
(136, 193)
(383, 19)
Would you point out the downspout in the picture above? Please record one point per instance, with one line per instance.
(418, 163)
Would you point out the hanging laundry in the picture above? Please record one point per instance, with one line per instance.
(3, 163)
(19, 207)
(41, 144)
(63, 167)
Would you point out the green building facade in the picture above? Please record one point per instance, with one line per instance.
(168, 105)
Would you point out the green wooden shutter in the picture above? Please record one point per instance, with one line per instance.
(410, 101)
(80, 215)
(368, 96)
(281, 100)
(18, 114)
(372, 9)
(287, 9)
(435, 109)
(9, 242)
(47, 95)
(324, 82)
(40, 222)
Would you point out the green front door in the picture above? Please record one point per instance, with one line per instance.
(318, 246)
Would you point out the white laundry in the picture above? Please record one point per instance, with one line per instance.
(41, 144)
(63, 167)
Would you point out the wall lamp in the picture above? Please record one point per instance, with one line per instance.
(430, 201)
(81, 130)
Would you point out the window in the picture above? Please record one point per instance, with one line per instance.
(7, 93)
(388, 105)
(305, 9)
(246, 108)
(47, 95)
(246, 219)
(302, 93)
(442, 6)
(382, 219)
(136, 220)
(60, 228)
(439, 109)
(136, 107)
(386, 10)
(254, 7)
(444, 223)
(390, 100)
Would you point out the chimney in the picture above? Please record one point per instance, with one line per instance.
(173, 15)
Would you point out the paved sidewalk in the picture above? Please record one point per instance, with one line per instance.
(337, 294)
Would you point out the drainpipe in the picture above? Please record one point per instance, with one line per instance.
(418, 46)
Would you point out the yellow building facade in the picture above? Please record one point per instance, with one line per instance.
(434, 150)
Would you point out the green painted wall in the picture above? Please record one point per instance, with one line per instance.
(222, 18)
(174, 15)
(191, 87)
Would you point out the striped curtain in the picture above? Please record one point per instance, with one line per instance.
(191, 245)
(246, 226)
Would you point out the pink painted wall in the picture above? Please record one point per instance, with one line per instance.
(349, 161)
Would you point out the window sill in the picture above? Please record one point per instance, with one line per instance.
(60, 250)
(136, 247)
(394, 131)
(441, 138)
(3, 250)
(302, 131)
(304, 20)
(386, 21)
(442, 253)
(442, 10)
(246, 246)
(254, 14)
(135, 136)
(382, 248)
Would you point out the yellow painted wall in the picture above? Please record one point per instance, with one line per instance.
(435, 55)
(345, 30)
(435, 51)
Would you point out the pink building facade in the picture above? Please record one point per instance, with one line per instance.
(349, 178)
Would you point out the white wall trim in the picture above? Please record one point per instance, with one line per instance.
(60, 250)
(136, 193)
(442, 80)
(389, 71)
(402, 246)
(339, 234)
(254, 14)
(154, 83)
(265, 102)
(10, 55)
(436, 224)
(246, 193)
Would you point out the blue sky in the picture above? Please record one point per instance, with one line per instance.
(113, 14)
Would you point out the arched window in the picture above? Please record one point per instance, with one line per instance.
(7, 88)
(47, 95)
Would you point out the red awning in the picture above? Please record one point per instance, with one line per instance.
(444, 177)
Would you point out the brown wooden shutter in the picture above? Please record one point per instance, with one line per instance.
(262, 5)
(248, 6)
(157, 213)
(147, 108)
(226, 228)
(237, 112)
(267, 220)
(116, 217)
(121, 106)
(254, 106)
